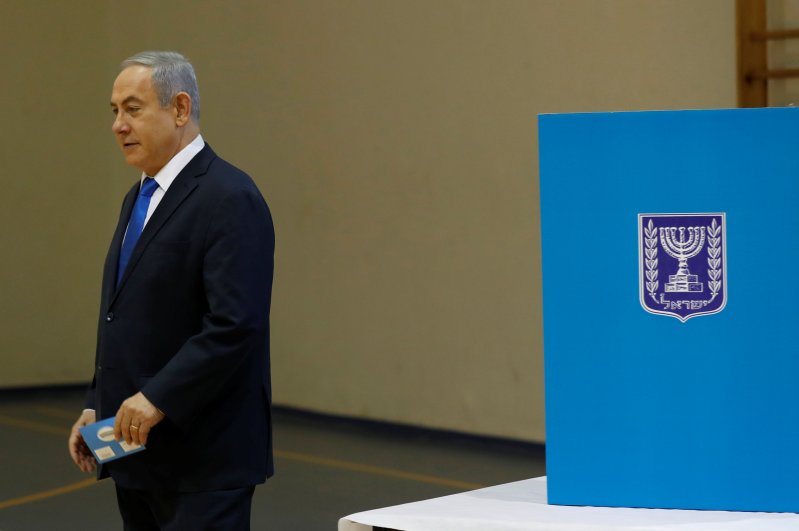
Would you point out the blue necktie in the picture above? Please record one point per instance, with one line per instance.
(136, 224)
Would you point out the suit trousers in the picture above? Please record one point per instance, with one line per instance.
(221, 510)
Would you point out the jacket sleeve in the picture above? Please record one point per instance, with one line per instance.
(89, 401)
(238, 266)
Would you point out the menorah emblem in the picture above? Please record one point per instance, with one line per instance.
(666, 241)
(682, 250)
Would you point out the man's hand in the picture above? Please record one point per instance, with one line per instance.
(135, 419)
(80, 453)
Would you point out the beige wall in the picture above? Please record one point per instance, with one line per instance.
(396, 143)
(57, 201)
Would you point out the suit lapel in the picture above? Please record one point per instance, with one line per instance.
(183, 185)
(112, 262)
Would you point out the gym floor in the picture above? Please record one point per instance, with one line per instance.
(326, 468)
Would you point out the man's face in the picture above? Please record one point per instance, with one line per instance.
(146, 132)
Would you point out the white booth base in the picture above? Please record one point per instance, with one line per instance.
(522, 506)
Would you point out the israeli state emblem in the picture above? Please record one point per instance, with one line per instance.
(682, 259)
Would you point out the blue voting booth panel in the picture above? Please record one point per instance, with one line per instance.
(671, 308)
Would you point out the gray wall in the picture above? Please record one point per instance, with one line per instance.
(396, 143)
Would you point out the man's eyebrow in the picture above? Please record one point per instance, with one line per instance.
(127, 100)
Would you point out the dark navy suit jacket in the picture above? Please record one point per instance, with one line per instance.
(188, 326)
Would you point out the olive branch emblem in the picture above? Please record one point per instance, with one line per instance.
(714, 259)
(651, 251)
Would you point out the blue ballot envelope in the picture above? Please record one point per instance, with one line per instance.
(670, 256)
(99, 437)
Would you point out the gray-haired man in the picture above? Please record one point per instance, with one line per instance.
(183, 342)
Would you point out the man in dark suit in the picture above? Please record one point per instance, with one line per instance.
(183, 342)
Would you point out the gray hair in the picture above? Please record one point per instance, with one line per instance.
(172, 73)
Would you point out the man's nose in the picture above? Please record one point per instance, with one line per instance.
(119, 125)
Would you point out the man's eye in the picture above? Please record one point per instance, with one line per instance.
(115, 111)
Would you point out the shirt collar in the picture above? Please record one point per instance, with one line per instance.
(167, 174)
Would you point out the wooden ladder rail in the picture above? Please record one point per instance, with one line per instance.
(753, 36)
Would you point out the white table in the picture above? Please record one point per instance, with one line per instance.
(522, 506)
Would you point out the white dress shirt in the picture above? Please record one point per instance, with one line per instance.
(167, 174)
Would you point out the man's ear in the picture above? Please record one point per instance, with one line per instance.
(182, 109)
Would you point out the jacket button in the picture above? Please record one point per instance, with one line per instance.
(109, 317)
